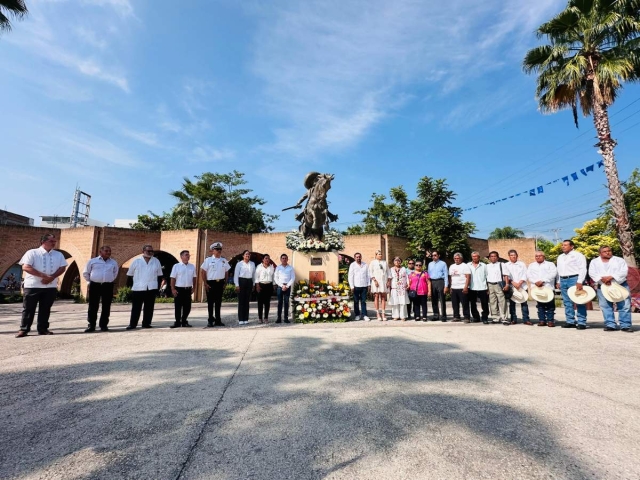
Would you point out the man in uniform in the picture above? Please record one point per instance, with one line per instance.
(183, 276)
(100, 273)
(146, 272)
(215, 273)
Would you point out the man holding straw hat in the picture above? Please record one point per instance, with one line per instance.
(610, 275)
(543, 274)
(572, 270)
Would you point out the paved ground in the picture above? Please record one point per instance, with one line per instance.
(356, 400)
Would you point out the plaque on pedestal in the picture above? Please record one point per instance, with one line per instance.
(316, 267)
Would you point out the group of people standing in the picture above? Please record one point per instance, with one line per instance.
(498, 286)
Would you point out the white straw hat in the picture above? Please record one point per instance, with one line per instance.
(581, 297)
(520, 295)
(615, 292)
(542, 294)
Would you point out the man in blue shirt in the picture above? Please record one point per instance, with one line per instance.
(439, 276)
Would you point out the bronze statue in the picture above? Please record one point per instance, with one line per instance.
(316, 214)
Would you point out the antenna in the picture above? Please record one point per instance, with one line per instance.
(80, 209)
(555, 232)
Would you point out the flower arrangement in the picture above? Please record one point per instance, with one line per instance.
(321, 302)
(332, 240)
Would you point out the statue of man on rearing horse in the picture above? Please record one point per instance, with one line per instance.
(316, 214)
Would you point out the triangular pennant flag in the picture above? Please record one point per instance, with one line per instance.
(518, 194)
(532, 192)
(540, 190)
(583, 172)
(589, 168)
(574, 175)
(512, 196)
(600, 163)
(566, 180)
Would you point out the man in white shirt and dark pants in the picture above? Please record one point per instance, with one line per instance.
(42, 267)
(478, 288)
(146, 272)
(542, 273)
(100, 273)
(215, 274)
(572, 270)
(283, 279)
(359, 282)
(606, 269)
(183, 275)
(517, 271)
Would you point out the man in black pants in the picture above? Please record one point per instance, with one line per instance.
(100, 273)
(439, 275)
(183, 275)
(214, 272)
(146, 273)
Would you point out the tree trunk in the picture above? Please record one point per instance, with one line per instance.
(607, 144)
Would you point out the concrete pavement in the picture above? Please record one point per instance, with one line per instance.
(339, 401)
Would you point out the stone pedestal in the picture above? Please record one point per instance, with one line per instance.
(316, 266)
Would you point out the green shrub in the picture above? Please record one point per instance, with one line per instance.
(164, 299)
(229, 293)
(15, 298)
(79, 298)
(123, 295)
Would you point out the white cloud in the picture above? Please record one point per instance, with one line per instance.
(333, 70)
(206, 153)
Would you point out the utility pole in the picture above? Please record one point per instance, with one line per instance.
(555, 231)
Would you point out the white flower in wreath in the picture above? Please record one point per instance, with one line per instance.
(299, 307)
(301, 316)
(305, 288)
(313, 315)
(325, 315)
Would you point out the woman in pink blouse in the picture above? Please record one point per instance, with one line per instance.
(420, 283)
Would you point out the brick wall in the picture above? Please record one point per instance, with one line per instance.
(524, 246)
(396, 247)
(479, 245)
(16, 240)
(365, 244)
(272, 243)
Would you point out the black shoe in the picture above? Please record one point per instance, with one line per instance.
(627, 329)
(506, 323)
(581, 327)
(443, 320)
(186, 325)
(130, 327)
(147, 326)
(286, 320)
(610, 329)
(104, 329)
(569, 325)
(435, 318)
(218, 324)
(278, 321)
(209, 325)
(486, 322)
(175, 325)
(90, 329)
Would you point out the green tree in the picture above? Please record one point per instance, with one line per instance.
(506, 233)
(14, 8)
(434, 224)
(592, 235)
(593, 49)
(546, 246)
(212, 202)
(384, 217)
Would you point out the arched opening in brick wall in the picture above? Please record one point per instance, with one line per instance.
(166, 260)
(71, 277)
(256, 258)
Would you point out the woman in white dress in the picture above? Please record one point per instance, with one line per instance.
(398, 296)
(379, 274)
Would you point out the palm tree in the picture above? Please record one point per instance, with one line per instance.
(593, 48)
(16, 8)
(506, 233)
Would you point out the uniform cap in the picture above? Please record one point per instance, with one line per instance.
(215, 245)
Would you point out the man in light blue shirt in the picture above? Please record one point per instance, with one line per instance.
(439, 276)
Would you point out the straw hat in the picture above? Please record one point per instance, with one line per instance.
(519, 295)
(615, 292)
(581, 298)
(542, 294)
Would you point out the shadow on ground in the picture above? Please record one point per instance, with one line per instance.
(302, 407)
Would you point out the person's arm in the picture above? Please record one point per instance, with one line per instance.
(595, 274)
(86, 273)
(292, 279)
(621, 272)
(227, 267)
(174, 292)
(351, 276)
(466, 283)
(582, 273)
(446, 277)
(203, 276)
(236, 276)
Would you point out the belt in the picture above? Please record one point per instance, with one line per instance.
(101, 283)
(216, 280)
(493, 283)
(436, 279)
(266, 283)
(569, 276)
(184, 288)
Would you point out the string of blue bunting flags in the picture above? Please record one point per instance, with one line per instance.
(532, 192)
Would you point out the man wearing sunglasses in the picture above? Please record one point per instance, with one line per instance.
(146, 273)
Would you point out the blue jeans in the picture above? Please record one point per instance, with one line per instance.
(566, 284)
(546, 311)
(283, 300)
(624, 310)
(525, 310)
(360, 300)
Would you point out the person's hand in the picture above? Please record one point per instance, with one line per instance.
(606, 280)
(578, 287)
(465, 290)
(446, 290)
(258, 288)
(206, 286)
(237, 289)
(46, 280)
(506, 288)
(517, 284)
(174, 292)
(540, 283)
(558, 286)
(285, 288)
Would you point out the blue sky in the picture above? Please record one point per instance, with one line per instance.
(126, 97)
